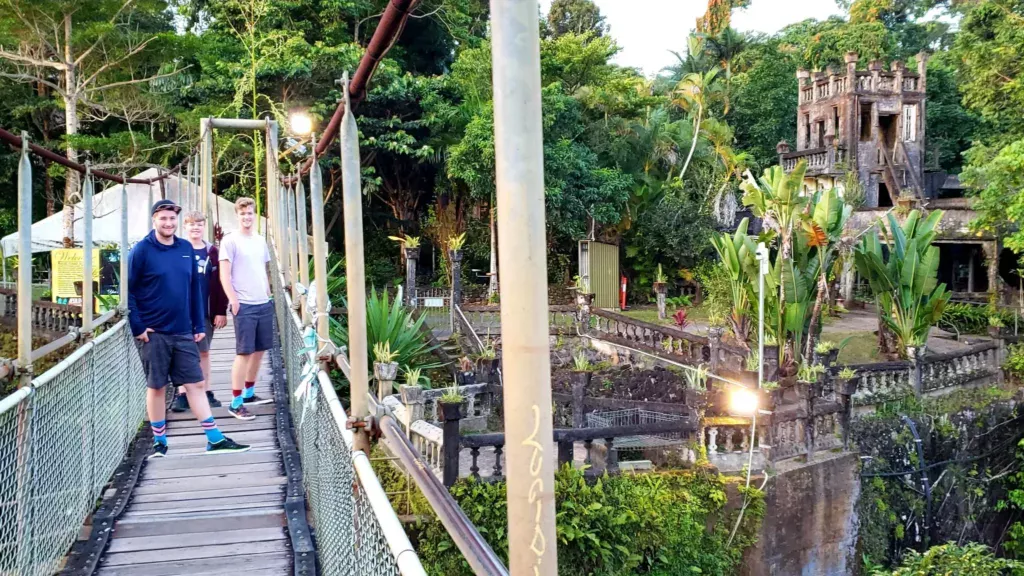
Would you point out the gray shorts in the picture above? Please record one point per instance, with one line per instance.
(204, 344)
(254, 328)
(170, 358)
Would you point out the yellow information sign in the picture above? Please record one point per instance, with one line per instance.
(67, 267)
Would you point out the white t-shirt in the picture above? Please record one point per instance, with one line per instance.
(248, 255)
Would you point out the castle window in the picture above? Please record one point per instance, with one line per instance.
(835, 121)
(909, 122)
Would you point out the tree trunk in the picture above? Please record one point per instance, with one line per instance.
(816, 315)
(51, 200)
(71, 180)
(693, 146)
(492, 287)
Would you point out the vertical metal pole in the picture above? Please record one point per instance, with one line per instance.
(87, 303)
(316, 201)
(293, 241)
(526, 362)
(25, 263)
(124, 249)
(188, 185)
(303, 241)
(150, 205)
(355, 269)
(206, 174)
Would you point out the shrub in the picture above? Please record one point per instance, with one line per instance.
(973, 558)
(971, 318)
(1014, 364)
(654, 523)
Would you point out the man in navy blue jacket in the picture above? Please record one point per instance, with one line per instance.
(167, 318)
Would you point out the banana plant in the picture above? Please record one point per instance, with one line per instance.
(903, 278)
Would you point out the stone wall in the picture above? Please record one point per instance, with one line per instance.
(810, 523)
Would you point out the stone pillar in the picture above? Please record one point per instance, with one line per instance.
(714, 342)
(897, 69)
(849, 280)
(580, 380)
(583, 302)
(875, 66)
(385, 373)
(452, 414)
(659, 292)
(991, 251)
(412, 398)
(851, 71)
(455, 257)
(411, 256)
(916, 354)
(922, 72)
(831, 73)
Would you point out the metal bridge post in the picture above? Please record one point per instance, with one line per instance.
(123, 304)
(206, 172)
(526, 364)
(316, 202)
(150, 206)
(87, 264)
(355, 269)
(25, 264)
(275, 203)
(293, 241)
(303, 242)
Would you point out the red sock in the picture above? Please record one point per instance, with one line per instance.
(250, 384)
(236, 393)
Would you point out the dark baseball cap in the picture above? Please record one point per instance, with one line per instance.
(164, 205)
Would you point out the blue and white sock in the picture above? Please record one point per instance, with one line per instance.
(213, 433)
(159, 431)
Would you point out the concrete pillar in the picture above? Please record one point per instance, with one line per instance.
(455, 257)
(991, 251)
(411, 256)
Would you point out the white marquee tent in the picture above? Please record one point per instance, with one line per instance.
(48, 233)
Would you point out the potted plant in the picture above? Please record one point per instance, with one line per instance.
(411, 245)
(385, 369)
(995, 326)
(465, 376)
(846, 384)
(487, 361)
(772, 387)
(825, 353)
(807, 376)
(905, 202)
(450, 404)
(455, 244)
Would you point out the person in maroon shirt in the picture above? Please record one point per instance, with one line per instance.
(215, 301)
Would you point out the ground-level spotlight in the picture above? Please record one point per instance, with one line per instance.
(300, 123)
(743, 402)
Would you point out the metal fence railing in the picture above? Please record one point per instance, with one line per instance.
(357, 530)
(60, 440)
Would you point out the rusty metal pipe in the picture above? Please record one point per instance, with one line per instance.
(474, 548)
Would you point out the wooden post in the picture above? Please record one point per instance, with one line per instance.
(451, 412)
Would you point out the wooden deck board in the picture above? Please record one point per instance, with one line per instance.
(198, 514)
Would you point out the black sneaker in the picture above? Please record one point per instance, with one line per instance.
(241, 413)
(214, 403)
(255, 400)
(159, 451)
(180, 403)
(226, 446)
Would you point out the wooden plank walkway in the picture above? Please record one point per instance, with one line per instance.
(191, 513)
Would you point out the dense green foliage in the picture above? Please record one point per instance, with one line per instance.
(658, 523)
(967, 446)
(975, 559)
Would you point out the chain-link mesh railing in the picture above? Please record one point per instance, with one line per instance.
(357, 532)
(60, 440)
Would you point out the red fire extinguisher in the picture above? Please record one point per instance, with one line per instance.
(622, 293)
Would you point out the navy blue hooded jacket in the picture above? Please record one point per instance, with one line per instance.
(164, 292)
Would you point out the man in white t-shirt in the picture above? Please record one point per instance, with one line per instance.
(243, 273)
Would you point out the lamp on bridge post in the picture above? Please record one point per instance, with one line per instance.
(300, 123)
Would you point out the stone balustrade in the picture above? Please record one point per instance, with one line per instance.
(678, 345)
(726, 441)
(943, 371)
(55, 319)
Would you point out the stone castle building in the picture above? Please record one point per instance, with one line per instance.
(868, 126)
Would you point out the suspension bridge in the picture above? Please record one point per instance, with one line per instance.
(77, 495)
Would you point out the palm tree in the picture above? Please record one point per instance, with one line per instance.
(693, 94)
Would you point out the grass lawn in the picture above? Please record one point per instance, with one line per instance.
(861, 349)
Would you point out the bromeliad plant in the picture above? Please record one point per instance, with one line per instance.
(903, 278)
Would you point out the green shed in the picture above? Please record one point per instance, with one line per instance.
(599, 266)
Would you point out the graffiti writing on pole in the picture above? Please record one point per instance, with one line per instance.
(538, 545)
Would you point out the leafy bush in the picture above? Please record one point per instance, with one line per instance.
(971, 318)
(1014, 364)
(654, 523)
(973, 558)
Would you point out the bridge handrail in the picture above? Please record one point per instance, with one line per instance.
(96, 397)
(327, 469)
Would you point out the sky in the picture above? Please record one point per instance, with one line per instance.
(647, 29)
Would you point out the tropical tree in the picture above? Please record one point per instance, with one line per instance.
(694, 93)
(903, 277)
(736, 253)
